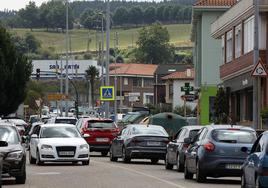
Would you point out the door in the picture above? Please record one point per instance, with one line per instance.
(34, 141)
(172, 147)
(118, 143)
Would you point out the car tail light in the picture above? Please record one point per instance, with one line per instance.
(233, 129)
(209, 147)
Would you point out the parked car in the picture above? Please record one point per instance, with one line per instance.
(176, 148)
(216, 151)
(19, 123)
(68, 120)
(132, 118)
(58, 143)
(140, 142)
(101, 131)
(13, 152)
(255, 167)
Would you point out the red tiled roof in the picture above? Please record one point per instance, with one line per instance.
(179, 76)
(132, 69)
(215, 3)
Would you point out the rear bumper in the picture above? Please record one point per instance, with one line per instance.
(100, 147)
(146, 152)
(216, 166)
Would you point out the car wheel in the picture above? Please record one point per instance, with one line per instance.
(21, 179)
(85, 162)
(32, 160)
(112, 158)
(125, 158)
(104, 153)
(200, 177)
(187, 175)
(180, 167)
(243, 183)
(167, 164)
(38, 160)
(154, 161)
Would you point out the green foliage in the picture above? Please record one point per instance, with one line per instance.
(221, 106)
(264, 113)
(120, 16)
(32, 43)
(35, 91)
(15, 70)
(155, 109)
(92, 19)
(30, 15)
(180, 110)
(92, 73)
(153, 46)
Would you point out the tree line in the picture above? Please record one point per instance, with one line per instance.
(52, 14)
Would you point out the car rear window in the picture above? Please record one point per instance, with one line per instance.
(149, 131)
(233, 136)
(193, 133)
(68, 121)
(101, 124)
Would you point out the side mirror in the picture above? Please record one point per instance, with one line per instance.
(3, 144)
(86, 135)
(187, 140)
(34, 136)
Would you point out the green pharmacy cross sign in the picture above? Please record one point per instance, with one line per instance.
(187, 88)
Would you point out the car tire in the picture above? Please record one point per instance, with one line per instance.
(104, 153)
(154, 161)
(112, 158)
(168, 166)
(21, 179)
(200, 177)
(38, 160)
(187, 175)
(32, 160)
(180, 167)
(85, 162)
(243, 183)
(125, 158)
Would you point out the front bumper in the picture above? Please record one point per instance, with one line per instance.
(146, 152)
(13, 168)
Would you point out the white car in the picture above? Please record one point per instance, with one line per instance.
(58, 143)
(69, 120)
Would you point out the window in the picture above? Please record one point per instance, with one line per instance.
(248, 34)
(229, 46)
(125, 81)
(223, 48)
(148, 82)
(137, 82)
(170, 90)
(238, 37)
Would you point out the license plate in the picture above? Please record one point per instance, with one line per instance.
(153, 143)
(102, 139)
(233, 166)
(66, 153)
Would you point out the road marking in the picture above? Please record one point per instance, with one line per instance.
(141, 173)
(47, 173)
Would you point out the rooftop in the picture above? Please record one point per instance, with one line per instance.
(132, 69)
(215, 3)
(180, 75)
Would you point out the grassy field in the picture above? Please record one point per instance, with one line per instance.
(179, 36)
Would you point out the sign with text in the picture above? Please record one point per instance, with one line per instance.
(56, 97)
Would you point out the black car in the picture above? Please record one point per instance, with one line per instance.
(140, 142)
(217, 151)
(176, 148)
(14, 155)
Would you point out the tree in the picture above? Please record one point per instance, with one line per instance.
(160, 13)
(135, 15)
(221, 106)
(153, 45)
(92, 73)
(30, 15)
(149, 15)
(15, 71)
(32, 43)
(120, 16)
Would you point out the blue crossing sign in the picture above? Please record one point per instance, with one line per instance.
(107, 93)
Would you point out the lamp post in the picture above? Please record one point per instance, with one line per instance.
(107, 80)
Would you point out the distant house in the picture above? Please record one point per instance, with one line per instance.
(174, 82)
(159, 84)
(135, 83)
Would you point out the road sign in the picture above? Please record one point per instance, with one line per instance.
(107, 93)
(259, 69)
(187, 88)
(56, 97)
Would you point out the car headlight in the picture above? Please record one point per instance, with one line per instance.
(84, 146)
(16, 155)
(46, 147)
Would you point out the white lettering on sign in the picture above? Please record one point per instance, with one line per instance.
(245, 82)
(76, 66)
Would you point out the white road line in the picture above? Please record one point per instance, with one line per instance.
(141, 173)
(47, 173)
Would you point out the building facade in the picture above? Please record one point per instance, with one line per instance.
(207, 54)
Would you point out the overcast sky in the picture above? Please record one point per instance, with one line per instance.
(18, 4)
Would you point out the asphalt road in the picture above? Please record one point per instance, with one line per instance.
(101, 173)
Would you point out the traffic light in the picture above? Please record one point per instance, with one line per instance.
(37, 74)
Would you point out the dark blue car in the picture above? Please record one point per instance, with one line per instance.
(255, 167)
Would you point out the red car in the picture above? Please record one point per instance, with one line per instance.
(101, 133)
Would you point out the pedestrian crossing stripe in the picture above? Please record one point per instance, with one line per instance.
(107, 93)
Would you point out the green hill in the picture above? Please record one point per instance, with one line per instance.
(179, 37)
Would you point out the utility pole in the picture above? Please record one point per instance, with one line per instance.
(61, 86)
(67, 57)
(256, 80)
(102, 51)
(107, 81)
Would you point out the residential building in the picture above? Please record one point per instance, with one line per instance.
(174, 82)
(207, 54)
(235, 31)
(135, 83)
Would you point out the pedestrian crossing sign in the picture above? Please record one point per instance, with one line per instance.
(107, 93)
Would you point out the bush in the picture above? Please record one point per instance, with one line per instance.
(180, 110)
(264, 113)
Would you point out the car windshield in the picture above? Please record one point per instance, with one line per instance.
(101, 124)
(233, 136)
(9, 134)
(60, 132)
(149, 130)
(68, 121)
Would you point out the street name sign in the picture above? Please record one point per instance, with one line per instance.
(259, 69)
(107, 93)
